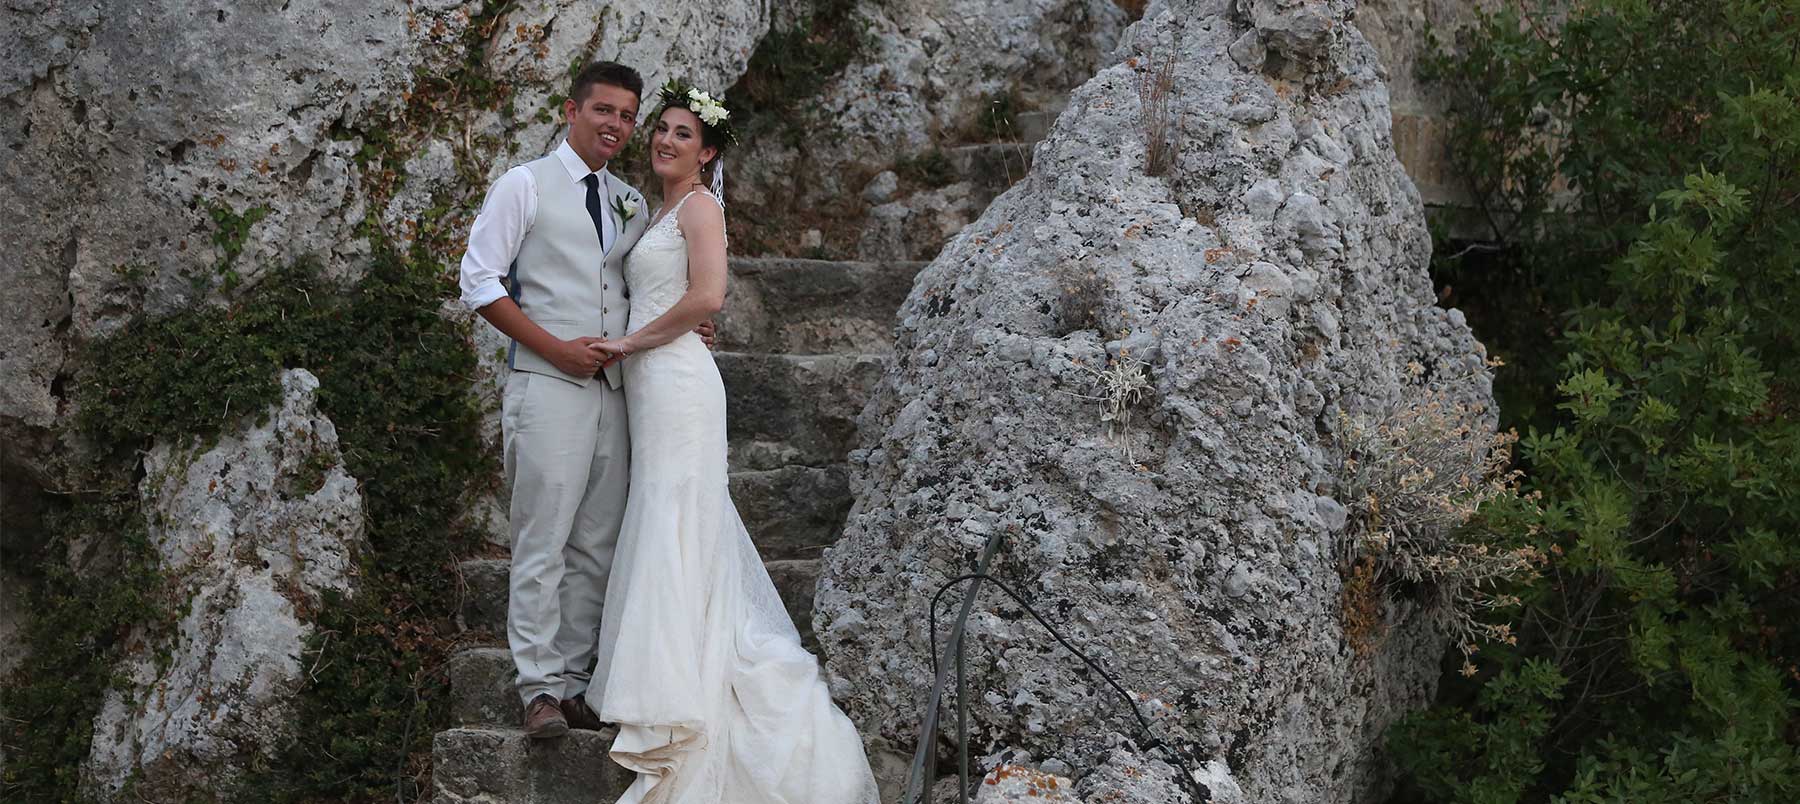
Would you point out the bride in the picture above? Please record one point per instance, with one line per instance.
(699, 664)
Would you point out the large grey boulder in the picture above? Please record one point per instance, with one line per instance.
(251, 533)
(1139, 381)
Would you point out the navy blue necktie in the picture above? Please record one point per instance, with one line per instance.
(595, 208)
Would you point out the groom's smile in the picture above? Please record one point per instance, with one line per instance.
(601, 123)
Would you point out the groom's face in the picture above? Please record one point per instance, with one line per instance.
(601, 122)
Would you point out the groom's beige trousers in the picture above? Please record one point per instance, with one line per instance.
(567, 452)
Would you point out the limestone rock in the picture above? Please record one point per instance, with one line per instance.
(1298, 28)
(1129, 778)
(251, 532)
(705, 44)
(931, 69)
(1137, 380)
(163, 154)
(1017, 784)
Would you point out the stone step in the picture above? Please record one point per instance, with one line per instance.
(503, 766)
(484, 593)
(792, 513)
(787, 410)
(1033, 127)
(990, 167)
(482, 691)
(796, 581)
(808, 307)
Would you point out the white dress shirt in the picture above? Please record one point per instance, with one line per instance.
(505, 217)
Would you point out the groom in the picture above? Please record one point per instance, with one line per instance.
(557, 229)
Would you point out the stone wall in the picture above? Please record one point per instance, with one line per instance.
(1401, 32)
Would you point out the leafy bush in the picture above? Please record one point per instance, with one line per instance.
(1640, 162)
(395, 380)
(78, 633)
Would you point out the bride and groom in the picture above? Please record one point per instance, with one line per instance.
(627, 553)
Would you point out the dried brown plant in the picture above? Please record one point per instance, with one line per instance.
(1154, 88)
(1413, 479)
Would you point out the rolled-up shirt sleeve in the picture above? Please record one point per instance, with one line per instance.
(494, 240)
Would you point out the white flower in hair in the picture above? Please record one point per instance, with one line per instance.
(712, 113)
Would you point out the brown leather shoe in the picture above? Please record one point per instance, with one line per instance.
(580, 715)
(544, 718)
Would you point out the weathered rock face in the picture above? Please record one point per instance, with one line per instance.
(1186, 536)
(251, 532)
(160, 153)
(163, 153)
(929, 75)
(126, 122)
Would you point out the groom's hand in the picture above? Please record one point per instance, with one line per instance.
(577, 356)
(706, 331)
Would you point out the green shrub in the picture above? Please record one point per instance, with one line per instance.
(395, 379)
(1641, 162)
(77, 636)
(793, 65)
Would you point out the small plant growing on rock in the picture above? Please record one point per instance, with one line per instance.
(928, 169)
(1153, 113)
(1079, 298)
(996, 121)
(1119, 387)
(1413, 478)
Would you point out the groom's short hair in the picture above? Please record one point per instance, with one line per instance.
(606, 72)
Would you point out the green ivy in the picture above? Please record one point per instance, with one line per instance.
(231, 230)
(1640, 161)
(76, 639)
(395, 379)
(793, 65)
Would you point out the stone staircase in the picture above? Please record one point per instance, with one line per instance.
(802, 344)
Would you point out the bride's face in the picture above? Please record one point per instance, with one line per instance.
(676, 149)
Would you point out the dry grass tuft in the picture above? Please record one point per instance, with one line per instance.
(1360, 601)
(1119, 387)
(1153, 113)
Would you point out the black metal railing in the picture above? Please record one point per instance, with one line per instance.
(924, 765)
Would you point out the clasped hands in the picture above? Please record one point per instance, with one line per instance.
(587, 356)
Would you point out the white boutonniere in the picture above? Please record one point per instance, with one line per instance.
(627, 208)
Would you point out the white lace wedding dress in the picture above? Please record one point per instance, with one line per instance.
(699, 664)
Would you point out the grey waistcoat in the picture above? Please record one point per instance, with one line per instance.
(560, 279)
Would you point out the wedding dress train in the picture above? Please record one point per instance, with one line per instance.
(699, 663)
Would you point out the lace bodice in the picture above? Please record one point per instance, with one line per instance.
(656, 269)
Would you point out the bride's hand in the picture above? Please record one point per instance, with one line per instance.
(608, 352)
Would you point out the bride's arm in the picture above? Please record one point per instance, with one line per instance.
(703, 226)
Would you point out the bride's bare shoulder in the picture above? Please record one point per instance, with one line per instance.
(707, 215)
